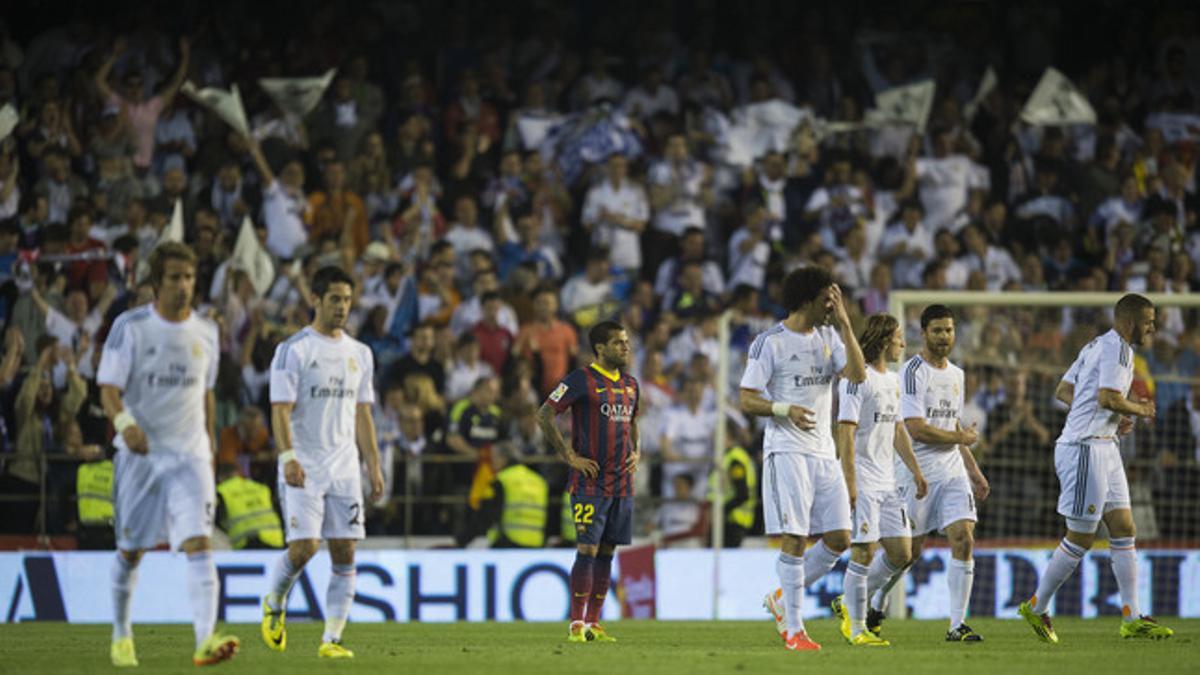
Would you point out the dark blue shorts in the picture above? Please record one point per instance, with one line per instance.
(602, 520)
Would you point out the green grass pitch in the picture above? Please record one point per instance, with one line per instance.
(1088, 647)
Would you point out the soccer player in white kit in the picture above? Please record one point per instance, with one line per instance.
(156, 380)
(321, 397)
(870, 439)
(1088, 461)
(931, 401)
(789, 380)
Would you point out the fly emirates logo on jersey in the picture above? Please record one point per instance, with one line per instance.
(817, 378)
(176, 376)
(335, 387)
(945, 410)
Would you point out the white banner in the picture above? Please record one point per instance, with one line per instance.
(481, 585)
(225, 104)
(174, 229)
(1055, 101)
(986, 85)
(8, 120)
(250, 256)
(533, 129)
(911, 103)
(297, 95)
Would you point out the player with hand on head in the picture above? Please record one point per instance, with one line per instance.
(321, 397)
(871, 438)
(931, 402)
(156, 377)
(603, 456)
(1088, 461)
(789, 380)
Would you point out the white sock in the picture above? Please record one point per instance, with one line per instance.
(1062, 564)
(283, 575)
(817, 563)
(791, 580)
(124, 578)
(202, 590)
(960, 577)
(856, 597)
(882, 575)
(1124, 565)
(338, 598)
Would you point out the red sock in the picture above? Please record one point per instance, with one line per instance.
(581, 584)
(600, 581)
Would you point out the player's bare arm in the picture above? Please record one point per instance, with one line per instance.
(635, 455)
(843, 438)
(903, 446)
(210, 421)
(979, 483)
(1111, 399)
(122, 421)
(586, 466)
(368, 445)
(1065, 392)
(281, 428)
(458, 444)
(924, 432)
(856, 365)
(753, 403)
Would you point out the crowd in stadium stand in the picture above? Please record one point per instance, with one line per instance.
(484, 249)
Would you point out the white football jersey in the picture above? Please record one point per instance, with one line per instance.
(797, 368)
(874, 406)
(165, 370)
(935, 395)
(1104, 363)
(326, 379)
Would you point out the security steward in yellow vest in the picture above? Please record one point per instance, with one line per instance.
(567, 517)
(739, 479)
(94, 496)
(245, 512)
(518, 507)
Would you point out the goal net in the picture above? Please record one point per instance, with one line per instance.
(1015, 348)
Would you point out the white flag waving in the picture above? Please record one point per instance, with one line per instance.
(249, 255)
(297, 95)
(226, 104)
(8, 120)
(986, 85)
(911, 103)
(1056, 101)
(174, 229)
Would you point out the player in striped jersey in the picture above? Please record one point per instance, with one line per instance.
(870, 438)
(1088, 461)
(603, 455)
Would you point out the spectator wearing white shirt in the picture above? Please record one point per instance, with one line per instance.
(948, 251)
(906, 246)
(692, 246)
(838, 204)
(1046, 199)
(686, 441)
(470, 312)
(174, 137)
(284, 204)
(466, 369)
(944, 182)
(699, 338)
(855, 262)
(680, 189)
(466, 235)
(651, 97)
(995, 263)
(1126, 207)
(750, 247)
(597, 84)
(615, 211)
(591, 288)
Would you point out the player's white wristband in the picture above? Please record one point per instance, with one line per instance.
(123, 421)
(780, 409)
(287, 456)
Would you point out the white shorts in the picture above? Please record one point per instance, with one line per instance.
(948, 502)
(1092, 478)
(880, 515)
(161, 498)
(313, 512)
(804, 495)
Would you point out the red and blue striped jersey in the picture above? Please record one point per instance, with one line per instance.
(603, 407)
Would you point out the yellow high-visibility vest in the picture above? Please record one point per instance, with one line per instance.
(249, 513)
(94, 492)
(523, 521)
(737, 465)
(568, 520)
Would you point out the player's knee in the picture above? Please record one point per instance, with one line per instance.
(606, 549)
(861, 553)
(196, 544)
(899, 557)
(303, 550)
(132, 557)
(837, 541)
(588, 550)
(341, 552)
